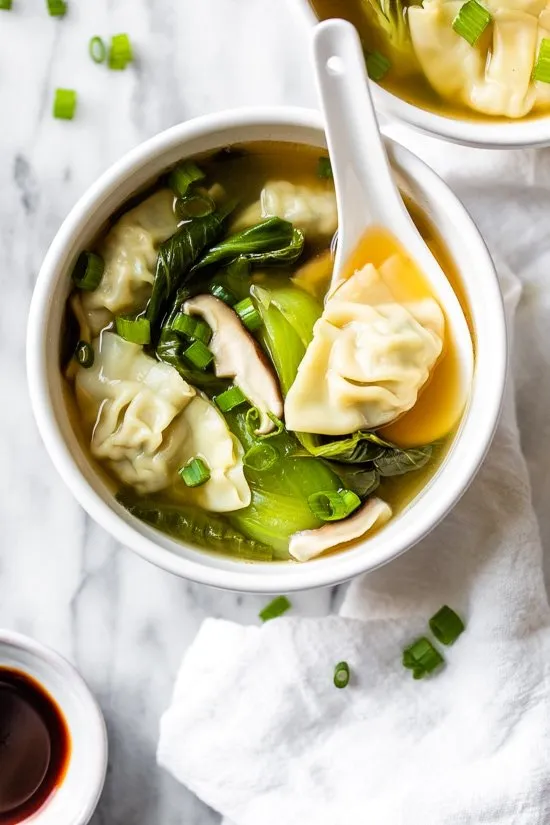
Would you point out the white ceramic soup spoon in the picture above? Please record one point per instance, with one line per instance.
(366, 193)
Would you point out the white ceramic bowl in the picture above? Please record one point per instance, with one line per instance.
(496, 134)
(75, 799)
(140, 167)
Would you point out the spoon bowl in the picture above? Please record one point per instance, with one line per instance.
(366, 193)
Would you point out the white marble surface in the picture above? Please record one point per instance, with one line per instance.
(62, 579)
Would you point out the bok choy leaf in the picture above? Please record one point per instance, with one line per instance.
(363, 479)
(280, 493)
(178, 254)
(397, 462)
(391, 18)
(288, 315)
(367, 448)
(273, 241)
(196, 526)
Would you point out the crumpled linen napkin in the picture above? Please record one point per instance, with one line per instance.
(257, 729)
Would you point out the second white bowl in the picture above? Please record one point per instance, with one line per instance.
(498, 133)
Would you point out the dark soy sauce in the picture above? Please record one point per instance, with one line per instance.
(34, 746)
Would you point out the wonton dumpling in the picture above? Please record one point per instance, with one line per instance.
(205, 434)
(494, 76)
(312, 210)
(130, 251)
(368, 360)
(146, 422)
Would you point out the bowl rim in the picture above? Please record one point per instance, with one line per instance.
(255, 578)
(49, 661)
(487, 134)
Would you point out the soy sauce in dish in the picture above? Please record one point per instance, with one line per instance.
(34, 746)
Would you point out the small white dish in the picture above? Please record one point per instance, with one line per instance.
(134, 172)
(75, 799)
(486, 134)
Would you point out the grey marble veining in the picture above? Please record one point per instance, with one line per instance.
(63, 580)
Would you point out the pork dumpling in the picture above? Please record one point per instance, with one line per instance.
(205, 435)
(128, 402)
(310, 209)
(145, 422)
(494, 76)
(369, 358)
(130, 251)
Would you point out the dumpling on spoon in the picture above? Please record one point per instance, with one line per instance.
(369, 358)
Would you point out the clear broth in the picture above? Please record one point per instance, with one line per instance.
(244, 173)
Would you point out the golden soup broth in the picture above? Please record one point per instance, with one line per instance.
(243, 172)
(410, 83)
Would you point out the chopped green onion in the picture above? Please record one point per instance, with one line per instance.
(199, 355)
(194, 206)
(324, 168)
(5, 5)
(422, 658)
(135, 330)
(57, 8)
(471, 21)
(181, 178)
(97, 50)
(341, 675)
(377, 66)
(275, 608)
(332, 506)
(88, 271)
(192, 327)
(248, 314)
(542, 66)
(231, 398)
(84, 354)
(253, 421)
(120, 53)
(260, 457)
(184, 323)
(202, 332)
(446, 626)
(64, 104)
(195, 473)
(219, 291)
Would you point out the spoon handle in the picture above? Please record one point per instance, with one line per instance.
(366, 193)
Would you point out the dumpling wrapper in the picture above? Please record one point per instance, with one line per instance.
(311, 209)
(493, 77)
(307, 544)
(130, 251)
(369, 358)
(146, 422)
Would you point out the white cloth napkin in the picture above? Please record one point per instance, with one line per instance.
(257, 729)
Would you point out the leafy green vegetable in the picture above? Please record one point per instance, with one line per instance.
(195, 525)
(279, 505)
(178, 254)
(282, 343)
(391, 18)
(171, 348)
(396, 462)
(370, 451)
(273, 241)
(358, 448)
(288, 314)
(272, 517)
(363, 479)
(299, 308)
